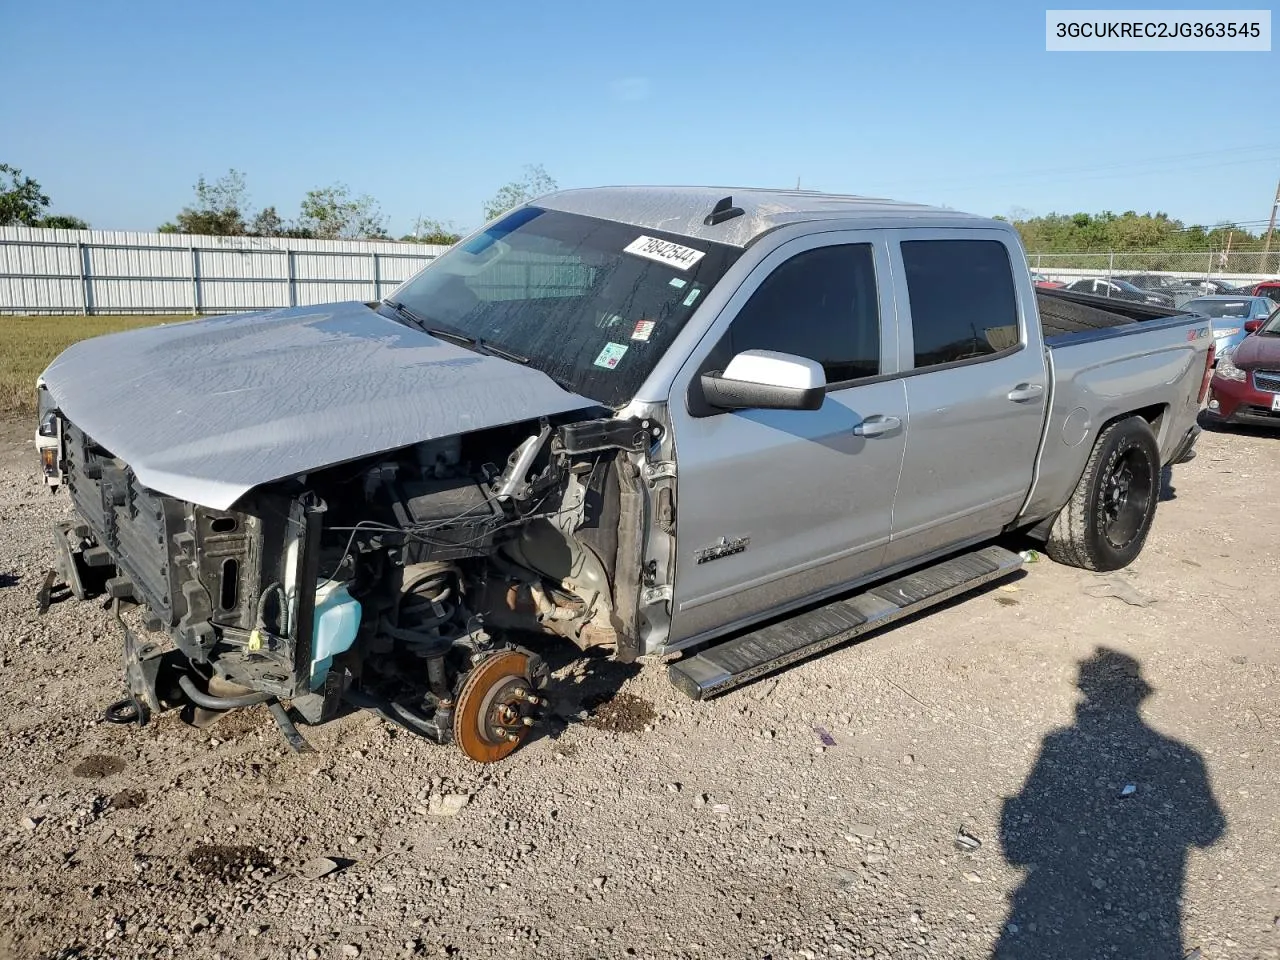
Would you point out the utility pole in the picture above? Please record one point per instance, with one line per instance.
(1266, 246)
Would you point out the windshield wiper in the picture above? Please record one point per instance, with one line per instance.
(406, 314)
(501, 352)
(453, 336)
(476, 343)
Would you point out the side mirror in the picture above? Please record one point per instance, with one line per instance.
(765, 380)
(1252, 326)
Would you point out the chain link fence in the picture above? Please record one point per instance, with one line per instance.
(1236, 268)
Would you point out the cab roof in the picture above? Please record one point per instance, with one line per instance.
(683, 210)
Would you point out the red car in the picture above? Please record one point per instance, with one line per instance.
(1246, 382)
(1267, 288)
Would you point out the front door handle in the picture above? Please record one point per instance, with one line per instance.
(1025, 391)
(875, 425)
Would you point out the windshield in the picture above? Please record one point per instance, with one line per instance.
(1221, 309)
(592, 303)
(1272, 326)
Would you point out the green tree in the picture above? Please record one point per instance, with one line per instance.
(62, 221)
(535, 183)
(220, 210)
(267, 222)
(427, 230)
(332, 213)
(22, 202)
(1107, 231)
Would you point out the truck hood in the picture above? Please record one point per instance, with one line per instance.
(1257, 351)
(208, 409)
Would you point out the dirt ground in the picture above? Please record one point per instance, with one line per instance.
(1064, 766)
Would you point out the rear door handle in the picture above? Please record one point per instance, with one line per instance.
(1025, 391)
(875, 425)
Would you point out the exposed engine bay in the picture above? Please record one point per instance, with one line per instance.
(400, 583)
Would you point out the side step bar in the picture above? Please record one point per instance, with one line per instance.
(750, 656)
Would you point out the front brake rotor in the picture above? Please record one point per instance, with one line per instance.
(497, 706)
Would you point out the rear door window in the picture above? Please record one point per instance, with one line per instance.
(963, 304)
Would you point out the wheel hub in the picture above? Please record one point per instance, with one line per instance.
(1126, 497)
(1118, 492)
(498, 705)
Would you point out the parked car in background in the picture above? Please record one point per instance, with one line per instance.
(1040, 280)
(1155, 282)
(1267, 288)
(1182, 289)
(1215, 287)
(1116, 289)
(1229, 316)
(1246, 383)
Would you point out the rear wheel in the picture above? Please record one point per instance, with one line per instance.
(1106, 522)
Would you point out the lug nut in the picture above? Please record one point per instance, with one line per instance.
(528, 721)
(512, 738)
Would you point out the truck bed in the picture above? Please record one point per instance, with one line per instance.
(1065, 312)
(1110, 359)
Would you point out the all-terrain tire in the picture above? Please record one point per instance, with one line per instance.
(1079, 536)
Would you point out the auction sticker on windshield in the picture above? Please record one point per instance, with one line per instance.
(610, 355)
(663, 251)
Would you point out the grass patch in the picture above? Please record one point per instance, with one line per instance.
(29, 344)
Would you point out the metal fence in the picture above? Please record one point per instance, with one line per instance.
(1229, 266)
(103, 272)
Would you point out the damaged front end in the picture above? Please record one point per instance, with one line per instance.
(404, 583)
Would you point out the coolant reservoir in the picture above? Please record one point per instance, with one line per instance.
(337, 619)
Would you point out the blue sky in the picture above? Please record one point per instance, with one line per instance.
(431, 107)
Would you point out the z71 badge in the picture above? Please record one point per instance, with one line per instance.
(727, 546)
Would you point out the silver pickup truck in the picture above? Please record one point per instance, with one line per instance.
(744, 426)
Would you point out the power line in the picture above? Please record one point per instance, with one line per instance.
(1097, 171)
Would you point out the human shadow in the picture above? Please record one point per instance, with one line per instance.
(1102, 827)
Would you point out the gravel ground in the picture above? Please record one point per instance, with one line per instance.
(814, 814)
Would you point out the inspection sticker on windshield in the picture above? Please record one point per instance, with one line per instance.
(610, 355)
(663, 251)
(643, 330)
